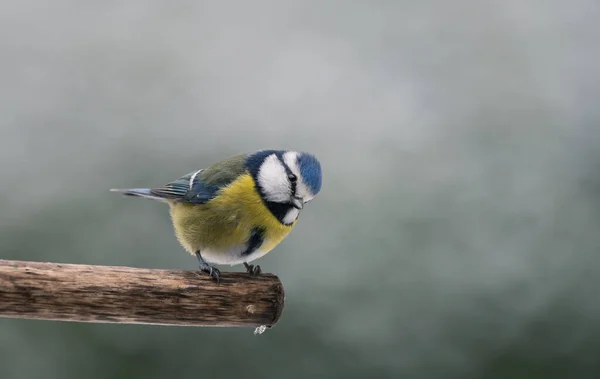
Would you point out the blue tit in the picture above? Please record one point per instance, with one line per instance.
(239, 209)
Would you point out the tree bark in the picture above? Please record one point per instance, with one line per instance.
(69, 292)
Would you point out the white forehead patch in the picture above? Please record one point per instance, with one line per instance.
(273, 180)
(291, 160)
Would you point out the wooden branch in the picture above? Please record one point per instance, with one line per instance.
(127, 295)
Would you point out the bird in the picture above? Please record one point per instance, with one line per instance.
(238, 209)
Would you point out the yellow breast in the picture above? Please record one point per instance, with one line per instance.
(221, 228)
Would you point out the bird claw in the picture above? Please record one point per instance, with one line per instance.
(212, 271)
(252, 269)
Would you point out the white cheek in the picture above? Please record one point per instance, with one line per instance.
(273, 180)
(291, 216)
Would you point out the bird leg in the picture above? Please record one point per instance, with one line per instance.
(252, 269)
(212, 271)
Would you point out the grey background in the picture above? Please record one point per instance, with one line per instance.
(456, 232)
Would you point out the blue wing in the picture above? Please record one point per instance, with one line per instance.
(189, 188)
(197, 187)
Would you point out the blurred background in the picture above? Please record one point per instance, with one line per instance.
(456, 235)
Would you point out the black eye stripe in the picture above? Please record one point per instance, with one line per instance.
(291, 176)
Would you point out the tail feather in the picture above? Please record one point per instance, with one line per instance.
(139, 192)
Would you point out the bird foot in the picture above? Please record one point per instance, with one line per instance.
(252, 269)
(212, 271)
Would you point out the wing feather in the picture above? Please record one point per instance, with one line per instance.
(202, 185)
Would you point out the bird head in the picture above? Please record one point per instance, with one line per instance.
(288, 179)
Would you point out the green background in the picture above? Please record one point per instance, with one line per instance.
(456, 234)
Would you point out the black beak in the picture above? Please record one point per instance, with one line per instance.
(297, 202)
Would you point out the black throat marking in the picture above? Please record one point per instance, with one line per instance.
(279, 210)
(257, 237)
